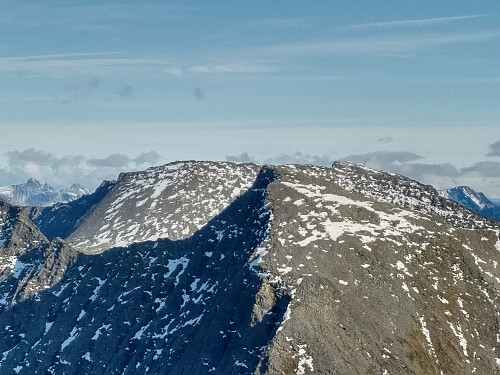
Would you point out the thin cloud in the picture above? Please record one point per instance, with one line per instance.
(299, 158)
(147, 158)
(385, 140)
(244, 157)
(88, 17)
(69, 169)
(229, 67)
(79, 91)
(17, 159)
(413, 22)
(296, 158)
(280, 23)
(126, 92)
(199, 93)
(96, 64)
(484, 169)
(114, 161)
(383, 159)
(376, 45)
(481, 176)
(494, 149)
(84, 64)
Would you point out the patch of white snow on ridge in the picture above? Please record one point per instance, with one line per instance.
(7, 263)
(96, 290)
(497, 244)
(304, 360)
(284, 270)
(172, 266)
(425, 331)
(457, 331)
(160, 187)
(72, 335)
(258, 255)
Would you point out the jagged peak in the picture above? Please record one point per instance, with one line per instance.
(33, 181)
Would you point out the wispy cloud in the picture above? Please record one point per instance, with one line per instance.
(77, 91)
(69, 169)
(494, 149)
(363, 45)
(63, 65)
(413, 22)
(274, 23)
(283, 158)
(482, 176)
(237, 67)
(385, 140)
(126, 92)
(383, 159)
(88, 16)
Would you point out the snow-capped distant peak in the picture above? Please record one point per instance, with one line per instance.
(468, 197)
(34, 193)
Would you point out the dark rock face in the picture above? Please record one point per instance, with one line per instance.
(157, 307)
(342, 270)
(61, 219)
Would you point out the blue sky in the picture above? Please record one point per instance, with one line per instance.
(91, 88)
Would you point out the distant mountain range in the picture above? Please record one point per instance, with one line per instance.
(475, 201)
(33, 193)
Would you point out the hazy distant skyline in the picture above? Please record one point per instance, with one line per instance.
(93, 88)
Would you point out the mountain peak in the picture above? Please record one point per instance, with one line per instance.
(34, 193)
(473, 200)
(33, 181)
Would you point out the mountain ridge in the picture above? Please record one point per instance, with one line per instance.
(304, 270)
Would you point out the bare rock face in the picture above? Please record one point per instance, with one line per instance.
(29, 263)
(221, 268)
(379, 288)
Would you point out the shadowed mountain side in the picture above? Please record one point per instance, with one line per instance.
(170, 201)
(67, 215)
(185, 307)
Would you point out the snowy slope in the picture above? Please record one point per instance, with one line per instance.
(171, 201)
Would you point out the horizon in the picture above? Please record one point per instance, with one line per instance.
(92, 89)
(91, 189)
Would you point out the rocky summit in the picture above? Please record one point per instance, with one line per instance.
(222, 268)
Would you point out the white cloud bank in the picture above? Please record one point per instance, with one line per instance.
(482, 176)
(65, 170)
(69, 169)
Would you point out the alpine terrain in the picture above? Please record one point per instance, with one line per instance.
(223, 268)
(474, 200)
(33, 193)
